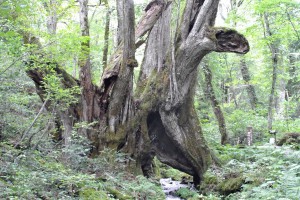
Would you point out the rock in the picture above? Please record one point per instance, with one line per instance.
(290, 138)
(230, 185)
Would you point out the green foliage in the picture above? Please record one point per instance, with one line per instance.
(60, 95)
(239, 120)
(168, 172)
(287, 125)
(35, 174)
(92, 194)
(137, 187)
(268, 172)
(18, 102)
(49, 171)
(30, 175)
(187, 193)
(230, 185)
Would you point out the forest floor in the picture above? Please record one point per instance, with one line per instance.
(256, 172)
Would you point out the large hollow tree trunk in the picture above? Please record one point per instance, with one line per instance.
(167, 83)
(209, 92)
(158, 118)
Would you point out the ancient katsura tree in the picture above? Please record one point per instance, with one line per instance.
(158, 118)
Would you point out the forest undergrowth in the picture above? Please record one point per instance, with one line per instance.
(256, 172)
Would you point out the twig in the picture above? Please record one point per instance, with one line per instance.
(12, 64)
(2, 2)
(34, 121)
(290, 20)
(37, 142)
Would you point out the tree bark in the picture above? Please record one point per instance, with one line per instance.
(106, 36)
(120, 8)
(230, 90)
(292, 82)
(250, 88)
(52, 18)
(210, 94)
(159, 118)
(274, 51)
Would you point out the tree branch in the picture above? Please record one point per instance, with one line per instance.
(290, 20)
(152, 13)
(228, 40)
(191, 11)
(37, 73)
(206, 15)
(35, 119)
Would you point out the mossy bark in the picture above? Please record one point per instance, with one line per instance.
(159, 118)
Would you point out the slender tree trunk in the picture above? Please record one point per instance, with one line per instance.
(274, 51)
(273, 87)
(1, 128)
(231, 88)
(84, 63)
(120, 9)
(88, 91)
(106, 36)
(63, 124)
(280, 100)
(250, 88)
(210, 94)
(292, 86)
(52, 18)
(292, 82)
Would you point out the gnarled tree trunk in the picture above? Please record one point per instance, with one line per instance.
(158, 118)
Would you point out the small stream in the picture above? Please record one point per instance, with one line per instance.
(169, 187)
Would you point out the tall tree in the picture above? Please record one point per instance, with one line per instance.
(52, 18)
(106, 35)
(235, 6)
(158, 118)
(273, 46)
(209, 92)
(250, 88)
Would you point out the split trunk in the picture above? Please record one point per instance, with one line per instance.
(158, 118)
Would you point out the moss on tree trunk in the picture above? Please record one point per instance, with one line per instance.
(159, 118)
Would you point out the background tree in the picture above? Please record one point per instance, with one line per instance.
(233, 82)
(209, 92)
(250, 88)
